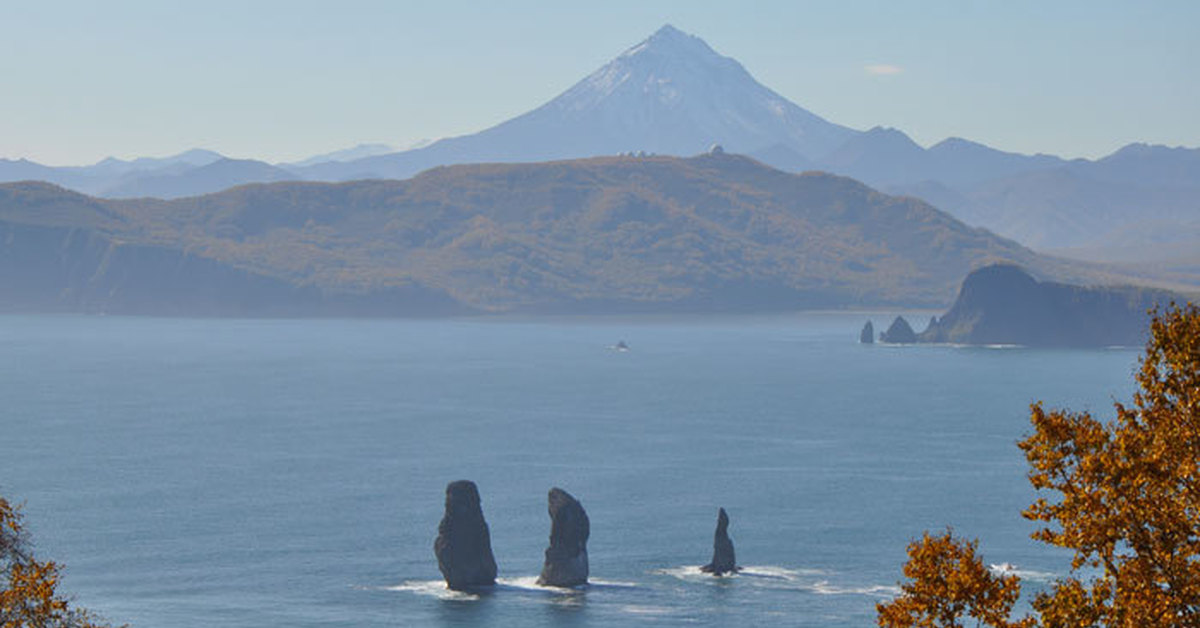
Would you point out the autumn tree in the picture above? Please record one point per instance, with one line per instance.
(947, 579)
(1123, 496)
(30, 597)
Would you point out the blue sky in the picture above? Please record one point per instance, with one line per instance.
(284, 80)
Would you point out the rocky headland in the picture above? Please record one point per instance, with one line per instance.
(1002, 304)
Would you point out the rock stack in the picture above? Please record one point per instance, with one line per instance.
(464, 545)
(899, 332)
(867, 335)
(723, 560)
(566, 558)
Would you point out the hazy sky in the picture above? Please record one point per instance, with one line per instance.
(284, 80)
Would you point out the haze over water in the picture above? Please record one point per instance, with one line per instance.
(291, 473)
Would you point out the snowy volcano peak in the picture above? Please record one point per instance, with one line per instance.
(672, 93)
(673, 56)
(670, 41)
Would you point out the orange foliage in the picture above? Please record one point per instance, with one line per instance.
(30, 597)
(946, 580)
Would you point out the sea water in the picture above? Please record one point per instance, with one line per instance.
(292, 472)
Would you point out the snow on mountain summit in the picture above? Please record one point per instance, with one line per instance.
(669, 38)
(673, 94)
(658, 63)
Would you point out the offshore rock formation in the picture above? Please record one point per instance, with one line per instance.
(1003, 305)
(867, 335)
(723, 560)
(464, 545)
(566, 558)
(899, 332)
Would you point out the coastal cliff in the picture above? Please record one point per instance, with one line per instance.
(1003, 304)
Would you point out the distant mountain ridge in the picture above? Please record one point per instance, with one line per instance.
(360, 151)
(221, 174)
(110, 175)
(1141, 192)
(882, 157)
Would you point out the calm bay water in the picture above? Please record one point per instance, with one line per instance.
(291, 473)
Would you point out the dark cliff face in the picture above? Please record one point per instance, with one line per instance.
(464, 545)
(1003, 304)
(566, 559)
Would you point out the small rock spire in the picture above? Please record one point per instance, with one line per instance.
(723, 560)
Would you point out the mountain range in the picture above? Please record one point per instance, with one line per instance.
(672, 94)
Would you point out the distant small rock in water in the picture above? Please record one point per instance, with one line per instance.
(566, 558)
(867, 335)
(723, 560)
(464, 545)
(899, 332)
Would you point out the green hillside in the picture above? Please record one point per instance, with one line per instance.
(711, 233)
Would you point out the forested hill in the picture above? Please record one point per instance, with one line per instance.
(710, 233)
